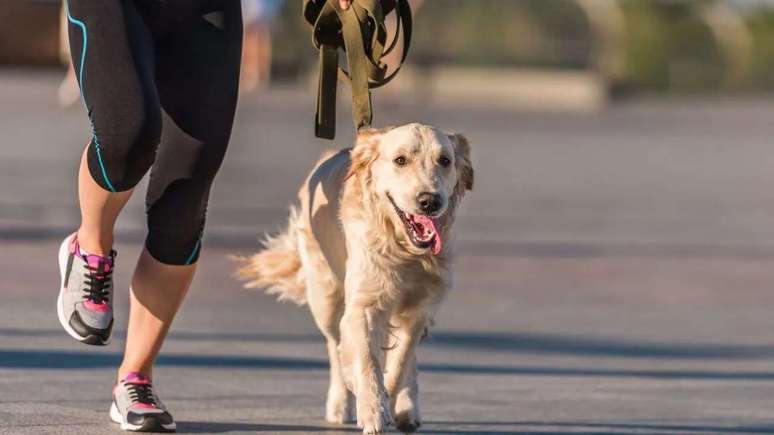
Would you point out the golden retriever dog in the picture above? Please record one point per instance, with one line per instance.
(369, 250)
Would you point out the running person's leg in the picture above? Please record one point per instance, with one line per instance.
(112, 53)
(116, 72)
(198, 78)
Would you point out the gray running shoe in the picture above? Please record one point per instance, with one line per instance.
(137, 408)
(85, 303)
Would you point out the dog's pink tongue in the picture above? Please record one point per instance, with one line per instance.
(437, 244)
(429, 222)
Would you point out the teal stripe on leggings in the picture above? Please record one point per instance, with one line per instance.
(193, 253)
(97, 146)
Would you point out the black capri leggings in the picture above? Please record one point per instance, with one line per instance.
(139, 62)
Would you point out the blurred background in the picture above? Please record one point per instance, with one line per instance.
(599, 121)
(616, 255)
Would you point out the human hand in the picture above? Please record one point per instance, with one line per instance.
(344, 4)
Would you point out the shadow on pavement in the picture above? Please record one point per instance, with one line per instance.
(224, 427)
(452, 427)
(635, 427)
(36, 359)
(596, 347)
(527, 343)
(182, 335)
(532, 432)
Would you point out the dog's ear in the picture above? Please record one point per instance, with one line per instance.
(462, 157)
(366, 150)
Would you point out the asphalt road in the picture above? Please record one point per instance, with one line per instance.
(615, 276)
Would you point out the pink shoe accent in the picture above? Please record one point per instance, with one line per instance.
(96, 260)
(90, 305)
(143, 405)
(136, 378)
(92, 260)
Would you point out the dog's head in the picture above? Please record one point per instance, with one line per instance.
(418, 174)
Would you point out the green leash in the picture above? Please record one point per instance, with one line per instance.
(360, 31)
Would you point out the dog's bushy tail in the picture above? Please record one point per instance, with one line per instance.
(277, 267)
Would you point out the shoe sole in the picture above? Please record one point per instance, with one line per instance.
(150, 424)
(89, 339)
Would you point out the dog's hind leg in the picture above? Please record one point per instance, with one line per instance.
(339, 405)
(326, 301)
(340, 402)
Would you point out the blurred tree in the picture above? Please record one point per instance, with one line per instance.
(608, 29)
(733, 38)
(497, 33)
(761, 24)
(670, 47)
(634, 44)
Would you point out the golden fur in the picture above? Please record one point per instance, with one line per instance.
(346, 253)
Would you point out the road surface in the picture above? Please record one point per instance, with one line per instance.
(614, 278)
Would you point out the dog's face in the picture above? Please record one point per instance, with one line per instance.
(416, 171)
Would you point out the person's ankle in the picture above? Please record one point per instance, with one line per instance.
(99, 245)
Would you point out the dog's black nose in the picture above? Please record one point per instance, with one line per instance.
(429, 203)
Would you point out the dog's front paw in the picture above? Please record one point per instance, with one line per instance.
(338, 408)
(373, 416)
(373, 424)
(407, 422)
(406, 413)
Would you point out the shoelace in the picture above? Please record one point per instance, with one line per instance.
(141, 393)
(97, 283)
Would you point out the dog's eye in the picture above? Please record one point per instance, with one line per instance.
(444, 161)
(400, 161)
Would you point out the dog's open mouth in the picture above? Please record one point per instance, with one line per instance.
(422, 230)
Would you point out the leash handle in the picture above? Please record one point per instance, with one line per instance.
(405, 24)
(351, 30)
